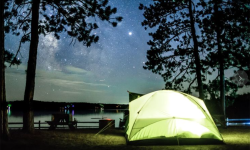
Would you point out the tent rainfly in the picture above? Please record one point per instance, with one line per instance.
(170, 117)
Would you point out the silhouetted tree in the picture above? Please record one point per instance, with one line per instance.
(11, 59)
(68, 16)
(4, 131)
(212, 91)
(225, 33)
(5, 56)
(2, 78)
(175, 47)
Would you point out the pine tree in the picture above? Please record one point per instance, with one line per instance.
(225, 33)
(68, 16)
(175, 47)
(2, 79)
(8, 57)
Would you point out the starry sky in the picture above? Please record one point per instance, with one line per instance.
(102, 73)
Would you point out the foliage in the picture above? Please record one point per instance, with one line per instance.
(234, 23)
(10, 58)
(171, 50)
(212, 91)
(78, 18)
(171, 53)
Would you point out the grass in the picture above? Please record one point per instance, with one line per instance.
(234, 137)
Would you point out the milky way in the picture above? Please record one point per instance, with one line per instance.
(101, 73)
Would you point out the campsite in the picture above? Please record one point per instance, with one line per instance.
(155, 121)
(124, 74)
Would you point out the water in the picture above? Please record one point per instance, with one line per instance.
(90, 115)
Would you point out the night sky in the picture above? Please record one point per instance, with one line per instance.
(101, 73)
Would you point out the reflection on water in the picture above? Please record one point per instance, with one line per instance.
(80, 115)
(8, 111)
(66, 111)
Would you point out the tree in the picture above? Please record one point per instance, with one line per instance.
(225, 29)
(5, 56)
(175, 22)
(11, 59)
(212, 91)
(239, 45)
(220, 55)
(68, 16)
(3, 132)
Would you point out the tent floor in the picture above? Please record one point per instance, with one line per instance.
(174, 141)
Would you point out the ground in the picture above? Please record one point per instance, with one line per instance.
(234, 137)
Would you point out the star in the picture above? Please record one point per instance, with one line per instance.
(67, 69)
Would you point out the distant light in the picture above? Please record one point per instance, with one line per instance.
(130, 33)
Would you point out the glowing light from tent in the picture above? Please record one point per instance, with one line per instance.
(185, 105)
(188, 126)
(169, 114)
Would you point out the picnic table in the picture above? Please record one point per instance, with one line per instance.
(61, 119)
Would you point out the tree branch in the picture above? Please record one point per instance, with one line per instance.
(24, 19)
(18, 50)
(179, 74)
(191, 84)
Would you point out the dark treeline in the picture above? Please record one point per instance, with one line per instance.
(40, 105)
(239, 109)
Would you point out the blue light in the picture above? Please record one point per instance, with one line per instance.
(238, 119)
(238, 122)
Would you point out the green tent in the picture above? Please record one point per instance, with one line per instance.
(170, 117)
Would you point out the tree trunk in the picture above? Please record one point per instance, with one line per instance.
(6, 134)
(221, 58)
(4, 130)
(2, 66)
(196, 52)
(28, 118)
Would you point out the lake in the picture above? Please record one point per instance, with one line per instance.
(93, 115)
(90, 115)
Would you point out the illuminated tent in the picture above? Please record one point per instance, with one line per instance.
(170, 117)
